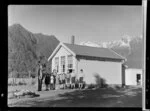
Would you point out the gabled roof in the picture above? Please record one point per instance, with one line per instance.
(94, 51)
(88, 51)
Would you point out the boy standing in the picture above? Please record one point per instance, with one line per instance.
(81, 77)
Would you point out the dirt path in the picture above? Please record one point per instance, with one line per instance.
(43, 96)
(108, 97)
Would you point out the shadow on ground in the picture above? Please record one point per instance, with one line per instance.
(106, 97)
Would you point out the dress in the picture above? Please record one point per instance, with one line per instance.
(81, 76)
(72, 77)
(47, 79)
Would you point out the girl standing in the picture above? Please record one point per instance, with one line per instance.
(72, 79)
(81, 77)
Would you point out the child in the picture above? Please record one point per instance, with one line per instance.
(81, 77)
(72, 79)
(57, 81)
(52, 82)
(47, 81)
(63, 80)
(68, 76)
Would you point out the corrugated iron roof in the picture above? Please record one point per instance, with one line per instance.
(93, 51)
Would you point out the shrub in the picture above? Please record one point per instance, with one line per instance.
(118, 87)
(33, 82)
(100, 82)
(91, 86)
(22, 83)
(10, 83)
(33, 74)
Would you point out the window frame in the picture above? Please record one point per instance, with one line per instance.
(57, 64)
(63, 64)
(70, 62)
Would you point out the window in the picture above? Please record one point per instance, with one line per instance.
(57, 64)
(70, 62)
(138, 78)
(62, 64)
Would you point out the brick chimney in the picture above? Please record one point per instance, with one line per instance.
(72, 39)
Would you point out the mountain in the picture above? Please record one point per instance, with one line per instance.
(129, 47)
(25, 48)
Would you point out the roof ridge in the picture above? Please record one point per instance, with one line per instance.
(117, 54)
(87, 49)
(86, 46)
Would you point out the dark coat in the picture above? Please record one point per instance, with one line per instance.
(47, 79)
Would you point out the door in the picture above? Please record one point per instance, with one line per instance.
(138, 79)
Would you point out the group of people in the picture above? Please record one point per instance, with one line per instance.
(64, 80)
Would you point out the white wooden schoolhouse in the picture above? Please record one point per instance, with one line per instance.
(93, 60)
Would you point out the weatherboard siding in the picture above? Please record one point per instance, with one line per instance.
(130, 76)
(61, 52)
(110, 71)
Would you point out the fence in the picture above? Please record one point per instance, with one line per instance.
(22, 81)
(16, 74)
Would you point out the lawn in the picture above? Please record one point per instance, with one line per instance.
(102, 97)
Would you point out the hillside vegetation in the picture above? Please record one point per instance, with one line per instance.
(25, 48)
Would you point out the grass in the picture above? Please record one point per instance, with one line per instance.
(101, 97)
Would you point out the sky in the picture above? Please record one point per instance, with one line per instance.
(86, 23)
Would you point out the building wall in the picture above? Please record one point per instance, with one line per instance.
(130, 76)
(62, 52)
(111, 71)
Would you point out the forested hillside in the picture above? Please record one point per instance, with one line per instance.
(25, 48)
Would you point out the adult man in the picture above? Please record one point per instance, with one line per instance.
(73, 79)
(40, 77)
(81, 77)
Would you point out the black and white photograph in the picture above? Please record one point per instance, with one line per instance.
(75, 56)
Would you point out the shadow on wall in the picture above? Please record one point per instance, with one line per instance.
(100, 82)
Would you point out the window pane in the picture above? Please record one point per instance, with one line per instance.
(70, 62)
(62, 63)
(57, 64)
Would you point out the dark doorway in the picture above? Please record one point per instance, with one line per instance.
(138, 78)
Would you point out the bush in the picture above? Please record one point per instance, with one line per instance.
(100, 82)
(22, 83)
(33, 74)
(33, 82)
(118, 87)
(91, 86)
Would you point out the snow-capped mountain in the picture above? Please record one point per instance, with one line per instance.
(128, 46)
(123, 42)
(88, 43)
